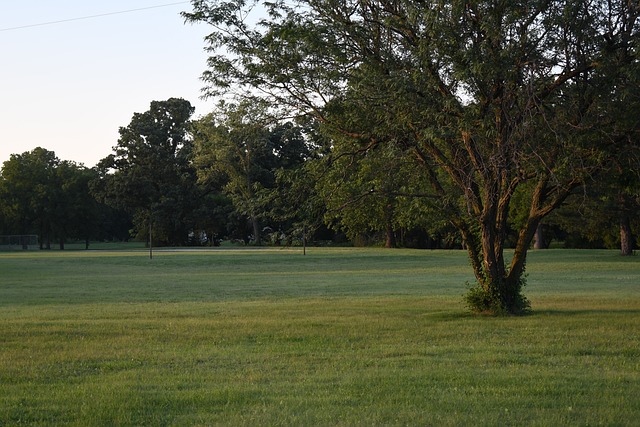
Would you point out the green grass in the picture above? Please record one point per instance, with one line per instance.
(337, 337)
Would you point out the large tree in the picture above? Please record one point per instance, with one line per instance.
(240, 150)
(488, 95)
(233, 150)
(150, 174)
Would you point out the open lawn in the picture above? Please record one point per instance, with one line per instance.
(336, 337)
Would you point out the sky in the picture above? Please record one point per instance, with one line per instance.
(69, 86)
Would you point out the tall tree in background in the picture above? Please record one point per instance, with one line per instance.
(488, 96)
(378, 191)
(151, 173)
(620, 108)
(294, 204)
(240, 149)
(233, 148)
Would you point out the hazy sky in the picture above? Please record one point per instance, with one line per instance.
(69, 86)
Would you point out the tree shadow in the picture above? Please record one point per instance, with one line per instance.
(584, 312)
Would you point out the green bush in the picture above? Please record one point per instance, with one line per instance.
(498, 299)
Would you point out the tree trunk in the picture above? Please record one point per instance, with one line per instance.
(501, 288)
(255, 224)
(150, 237)
(626, 238)
(391, 237)
(492, 256)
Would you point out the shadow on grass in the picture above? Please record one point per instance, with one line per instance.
(452, 315)
(584, 312)
(467, 315)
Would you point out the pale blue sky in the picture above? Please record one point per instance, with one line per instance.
(69, 86)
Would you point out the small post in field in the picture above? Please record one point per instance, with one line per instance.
(150, 239)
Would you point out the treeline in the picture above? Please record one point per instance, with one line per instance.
(43, 195)
(238, 174)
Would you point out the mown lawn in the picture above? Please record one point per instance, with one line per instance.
(337, 337)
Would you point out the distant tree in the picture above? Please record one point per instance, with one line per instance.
(240, 150)
(295, 205)
(233, 147)
(628, 206)
(28, 192)
(47, 196)
(605, 215)
(150, 174)
(78, 213)
(610, 116)
(620, 127)
(372, 191)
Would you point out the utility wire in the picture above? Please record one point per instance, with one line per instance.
(90, 16)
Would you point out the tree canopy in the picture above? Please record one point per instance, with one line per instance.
(238, 149)
(151, 173)
(491, 98)
(44, 195)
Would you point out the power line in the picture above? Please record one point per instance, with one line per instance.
(62, 21)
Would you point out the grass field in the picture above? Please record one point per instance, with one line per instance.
(336, 337)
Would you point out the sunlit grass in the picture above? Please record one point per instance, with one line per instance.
(348, 337)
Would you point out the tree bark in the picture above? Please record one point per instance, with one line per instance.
(391, 237)
(520, 253)
(626, 235)
(255, 224)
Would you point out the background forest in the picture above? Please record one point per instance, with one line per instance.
(234, 176)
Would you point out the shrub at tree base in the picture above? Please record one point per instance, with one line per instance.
(498, 298)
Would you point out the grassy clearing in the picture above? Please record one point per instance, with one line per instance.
(339, 337)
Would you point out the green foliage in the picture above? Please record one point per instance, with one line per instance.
(498, 299)
(241, 152)
(377, 189)
(28, 185)
(44, 195)
(487, 97)
(150, 173)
